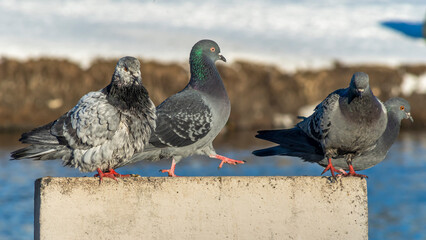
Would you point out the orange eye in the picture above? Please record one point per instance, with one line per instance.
(212, 49)
(402, 108)
(125, 69)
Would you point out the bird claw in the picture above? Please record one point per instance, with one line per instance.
(353, 174)
(230, 162)
(227, 160)
(101, 175)
(110, 174)
(171, 172)
(332, 170)
(342, 172)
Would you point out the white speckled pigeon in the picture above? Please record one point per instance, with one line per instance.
(189, 121)
(294, 142)
(103, 130)
(347, 123)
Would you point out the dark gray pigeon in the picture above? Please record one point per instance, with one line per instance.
(103, 130)
(189, 121)
(347, 123)
(294, 142)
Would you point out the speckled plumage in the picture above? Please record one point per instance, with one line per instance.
(347, 123)
(189, 121)
(294, 142)
(103, 130)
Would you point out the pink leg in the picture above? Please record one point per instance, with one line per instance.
(112, 171)
(226, 160)
(330, 167)
(110, 174)
(171, 171)
(353, 173)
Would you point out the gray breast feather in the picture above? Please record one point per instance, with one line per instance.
(182, 120)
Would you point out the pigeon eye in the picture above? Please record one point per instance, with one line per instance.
(126, 69)
(402, 108)
(212, 49)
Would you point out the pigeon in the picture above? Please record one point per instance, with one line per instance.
(102, 131)
(294, 142)
(189, 121)
(347, 123)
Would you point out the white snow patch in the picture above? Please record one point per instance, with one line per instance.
(283, 120)
(307, 110)
(413, 84)
(290, 34)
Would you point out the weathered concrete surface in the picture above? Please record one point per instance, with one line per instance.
(201, 208)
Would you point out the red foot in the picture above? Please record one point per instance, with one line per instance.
(331, 168)
(171, 171)
(226, 160)
(353, 173)
(110, 174)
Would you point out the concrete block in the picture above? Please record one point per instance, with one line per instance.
(201, 208)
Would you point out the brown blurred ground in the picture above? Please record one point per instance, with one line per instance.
(37, 91)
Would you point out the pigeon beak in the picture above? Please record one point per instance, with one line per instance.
(359, 92)
(409, 117)
(221, 57)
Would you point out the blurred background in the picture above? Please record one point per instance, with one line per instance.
(284, 57)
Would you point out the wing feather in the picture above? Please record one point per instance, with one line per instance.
(318, 124)
(182, 120)
(90, 123)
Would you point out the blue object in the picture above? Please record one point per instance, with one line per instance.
(411, 29)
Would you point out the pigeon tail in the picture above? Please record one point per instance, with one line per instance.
(272, 151)
(40, 135)
(39, 152)
(293, 140)
(45, 146)
(282, 151)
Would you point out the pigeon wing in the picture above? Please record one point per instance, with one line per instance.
(319, 123)
(90, 123)
(182, 120)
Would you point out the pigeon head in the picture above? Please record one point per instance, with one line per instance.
(127, 72)
(400, 107)
(204, 74)
(206, 48)
(126, 90)
(360, 84)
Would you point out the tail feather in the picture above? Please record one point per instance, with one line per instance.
(31, 152)
(272, 151)
(292, 142)
(44, 145)
(275, 136)
(281, 151)
(40, 135)
(293, 139)
(41, 152)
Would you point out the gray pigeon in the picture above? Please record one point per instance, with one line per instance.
(102, 131)
(189, 121)
(347, 123)
(294, 142)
